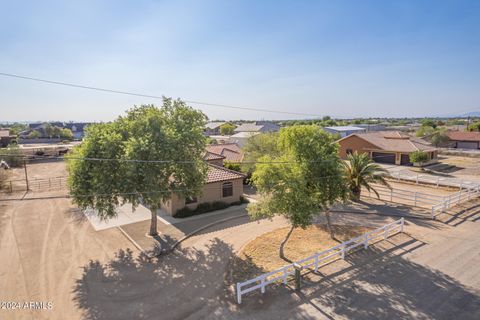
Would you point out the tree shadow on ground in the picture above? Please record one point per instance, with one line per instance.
(377, 284)
(186, 283)
(463, 212)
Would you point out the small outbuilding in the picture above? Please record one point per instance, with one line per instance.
(464, 139)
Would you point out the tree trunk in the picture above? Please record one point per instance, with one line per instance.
(153, 223)
(356, 191)
(329, 224)
(284, 242)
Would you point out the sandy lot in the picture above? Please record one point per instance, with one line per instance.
(50, 253)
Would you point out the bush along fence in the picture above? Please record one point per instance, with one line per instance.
(436, 204)
(318, 259)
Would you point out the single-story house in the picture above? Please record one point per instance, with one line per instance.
(222, 185)
(258, 126)
(464, 139)
(344, 131)
(213, 128)
(231, 151)
(241, 138)
(386, 146)
(371, 127)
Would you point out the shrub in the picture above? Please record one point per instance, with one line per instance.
(207, 207)
(418, 156)
(12, 155)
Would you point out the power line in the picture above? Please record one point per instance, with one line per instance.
(129, 93)
(172, 161)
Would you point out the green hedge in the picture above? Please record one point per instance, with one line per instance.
(207, 207)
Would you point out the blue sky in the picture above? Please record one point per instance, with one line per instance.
(341, 58)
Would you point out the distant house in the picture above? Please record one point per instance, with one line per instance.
(77, 128)
(344, 131)
(241, 138)
(230, 151)
(5, 137)
(371, 127)
(259, 126)
(213, 128)
(464, 139)
(386, 146)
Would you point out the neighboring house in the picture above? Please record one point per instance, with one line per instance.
(222, 185)
(213, 128)
(259, 126)
(77, 128)
(386, 146)
(464, 139)
(371, 127)
(344, 131)
(241, 138)
(5, 137)
(213, 158)
(231, 151)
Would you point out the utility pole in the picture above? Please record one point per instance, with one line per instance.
(26, 174)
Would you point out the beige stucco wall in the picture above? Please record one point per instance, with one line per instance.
(211, 192)
(356, 144)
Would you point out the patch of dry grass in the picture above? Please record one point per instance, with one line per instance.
(261, 255)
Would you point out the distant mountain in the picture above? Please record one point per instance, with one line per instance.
(471, 114)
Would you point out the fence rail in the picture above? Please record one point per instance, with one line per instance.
(436, 204)
(46, 184)
(318, 259)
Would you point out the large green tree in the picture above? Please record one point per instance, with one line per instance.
(154, 153)
(258, 146)
(304, 179)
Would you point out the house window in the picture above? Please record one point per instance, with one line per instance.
(190, 200)
(349, 151)
(227, 189)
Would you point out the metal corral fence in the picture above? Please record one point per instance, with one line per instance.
(318, 259)
(46, 184)
(436, 204)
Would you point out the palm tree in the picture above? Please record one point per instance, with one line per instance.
(361, 171)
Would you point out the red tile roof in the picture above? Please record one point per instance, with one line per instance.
(464, 136)
(212, 156)
(231, 151)
(217, 174)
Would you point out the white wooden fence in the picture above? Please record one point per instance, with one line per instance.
(316, 260)
(436, 204)
(434, 180)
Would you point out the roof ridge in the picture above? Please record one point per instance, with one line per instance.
(226, 169)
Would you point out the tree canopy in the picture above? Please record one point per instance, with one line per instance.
(173, 132)
(227, 129)
(302, 179)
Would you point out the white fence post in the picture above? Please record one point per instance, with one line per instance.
(316, 263)
(285, 275)
(365, 244)
(343, 251)
(239, 293)
(262, 283)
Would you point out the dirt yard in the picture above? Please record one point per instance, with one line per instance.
(459, 166)
(261, 254)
